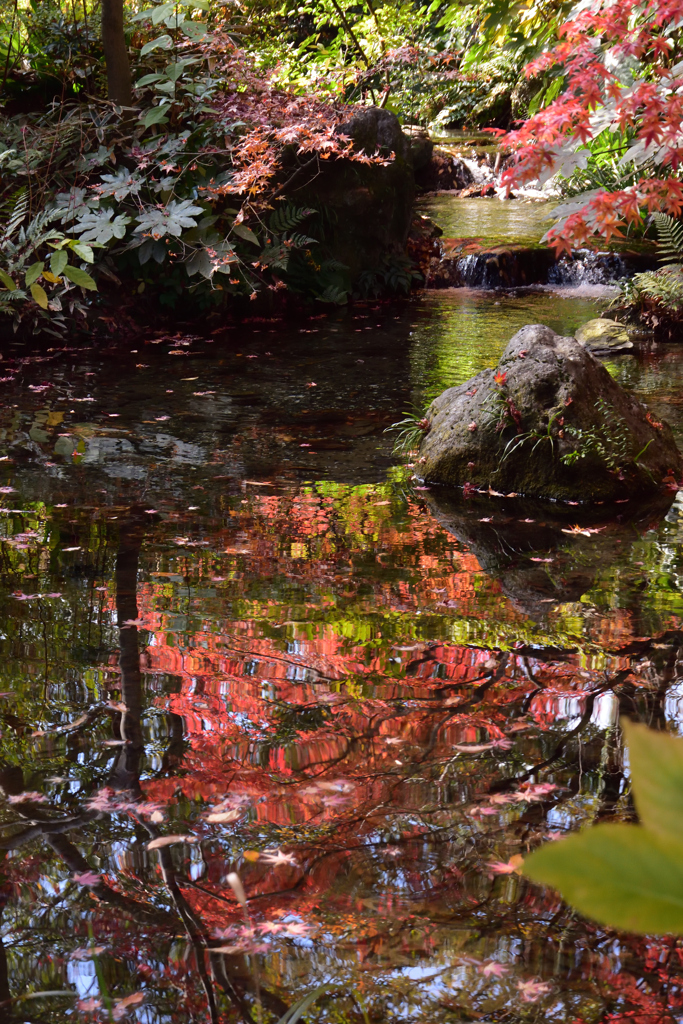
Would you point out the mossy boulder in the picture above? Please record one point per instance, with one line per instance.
(604, 336)
(548, 422)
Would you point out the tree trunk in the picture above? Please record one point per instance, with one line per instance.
(116, 53)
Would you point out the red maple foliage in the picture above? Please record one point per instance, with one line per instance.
(606, 89)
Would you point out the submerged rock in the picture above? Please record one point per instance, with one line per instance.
(545, 554)
(548, 422)
(604, 336)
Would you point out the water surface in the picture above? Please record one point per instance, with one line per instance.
(494, 221)
(232, 623)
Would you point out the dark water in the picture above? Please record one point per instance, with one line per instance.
(228, 616)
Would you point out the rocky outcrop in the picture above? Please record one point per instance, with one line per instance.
(548, 422)
(366, 209)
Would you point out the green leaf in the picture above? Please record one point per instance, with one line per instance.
(244, 232)
(203, 4)
(194, 29)
(147, 80)
(84, 251)
(160, 43)
(34, 272)
(162, 11)
(58, 260)
(39, 295)
(155, 115)
(80, 277)
(656, 761)
(7, 281)
(620, 875)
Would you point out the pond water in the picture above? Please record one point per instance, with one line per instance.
(494, 221)
(243, 652)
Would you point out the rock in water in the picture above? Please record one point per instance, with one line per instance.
(548, 422)
(604, 336)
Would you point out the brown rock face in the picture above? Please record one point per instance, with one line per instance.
(548, 422)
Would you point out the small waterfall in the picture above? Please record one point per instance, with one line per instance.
(587, 267)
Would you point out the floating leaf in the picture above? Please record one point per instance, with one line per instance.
(158, 844)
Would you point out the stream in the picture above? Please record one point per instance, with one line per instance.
(275, 718)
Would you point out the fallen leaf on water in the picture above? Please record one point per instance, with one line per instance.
(493, 970)
(87, 878)
(89, 1005)
(532, 990)
(509, 867)
(121, 1007)
(278, 857)
(157, 844)
(85, 952)
(222, 817)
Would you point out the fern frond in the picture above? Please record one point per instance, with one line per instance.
(286, 218)
(16, 206)
(669, 238)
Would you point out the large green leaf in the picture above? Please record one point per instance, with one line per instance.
(621, 875)
(58, 260)
(39, 294)
(155, 115)
(656, 761)
(34, 272)
(160, 43)
(80, 277)
(244, 232)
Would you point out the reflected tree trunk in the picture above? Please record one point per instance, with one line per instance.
(125, 774)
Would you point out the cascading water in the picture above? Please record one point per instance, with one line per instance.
(586, 267)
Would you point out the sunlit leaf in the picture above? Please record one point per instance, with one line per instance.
(39, 295)
(621, 875)
(656, 761)
(160, 43)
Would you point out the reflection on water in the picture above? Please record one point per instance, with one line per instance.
(494, 221)
(237, 641)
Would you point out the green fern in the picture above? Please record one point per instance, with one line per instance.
(669, 238)
(16, 207)
(286, 218)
